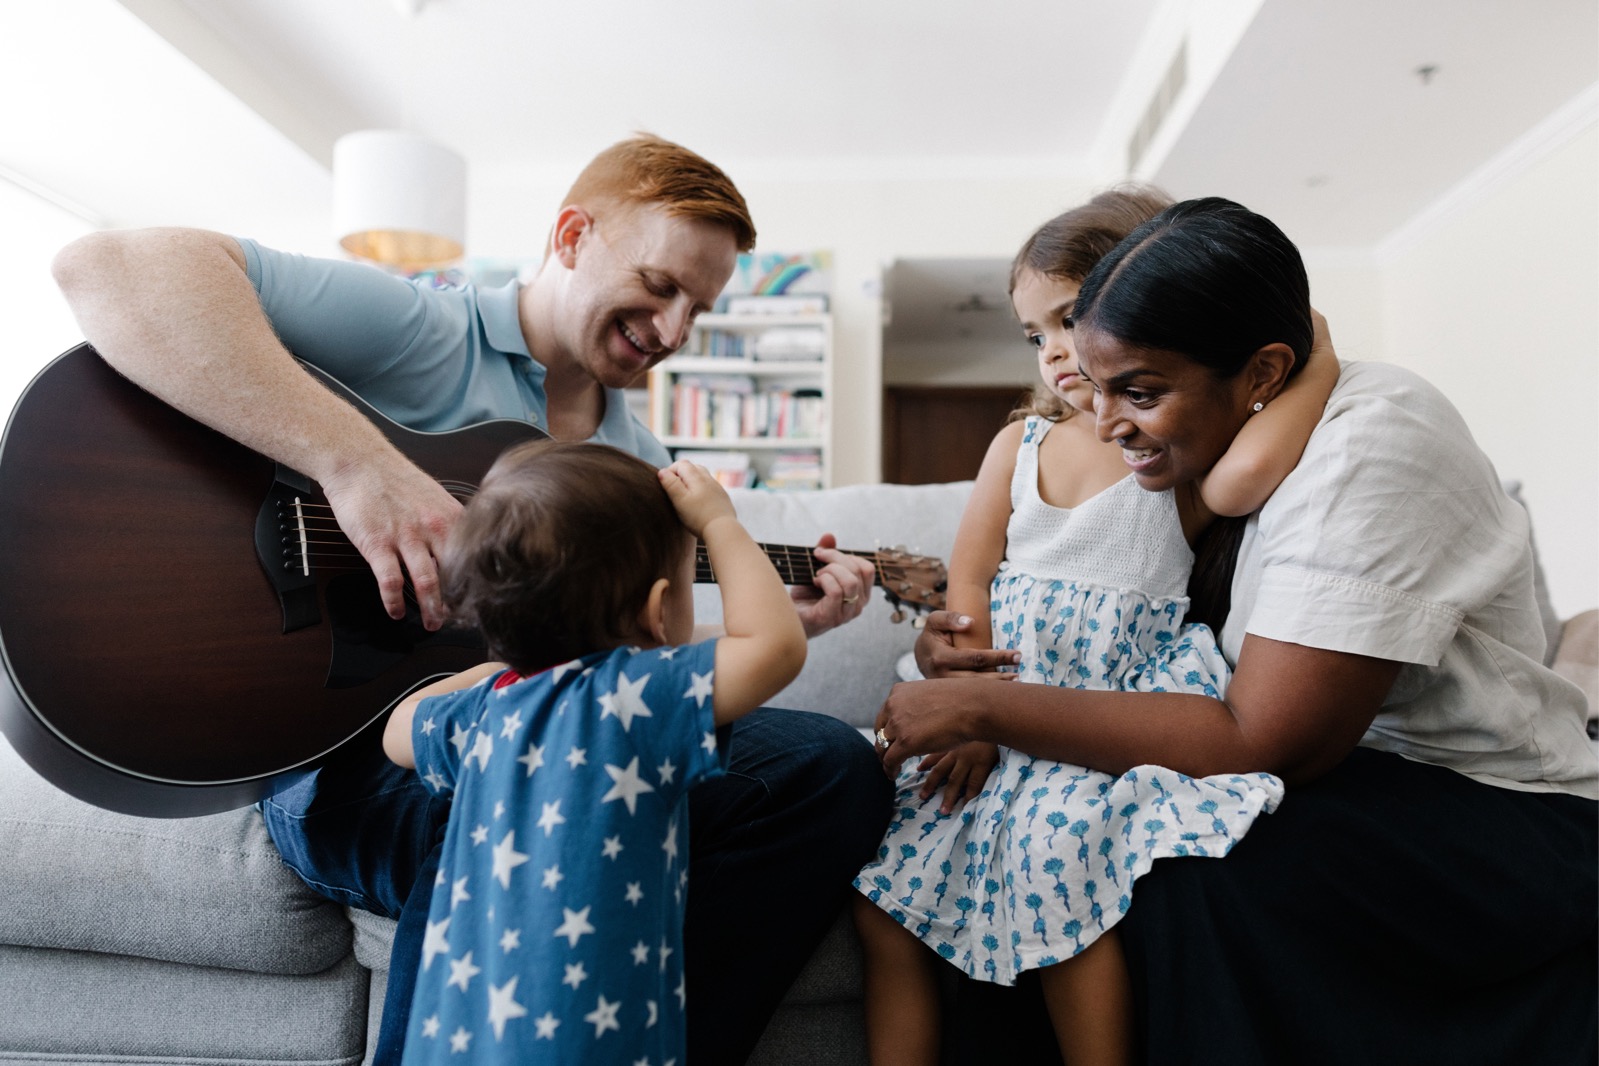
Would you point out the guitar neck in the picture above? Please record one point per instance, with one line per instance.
(795, 565)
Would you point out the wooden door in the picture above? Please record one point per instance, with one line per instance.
(933, 434)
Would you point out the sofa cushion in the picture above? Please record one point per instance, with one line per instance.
(207, 891)
(64, 1007)
(850, 670)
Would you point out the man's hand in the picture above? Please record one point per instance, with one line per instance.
(841, 589)
(398, 518)
(937, 656)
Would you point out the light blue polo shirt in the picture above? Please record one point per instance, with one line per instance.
(430, 359)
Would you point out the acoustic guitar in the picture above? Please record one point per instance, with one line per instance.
(182, 623)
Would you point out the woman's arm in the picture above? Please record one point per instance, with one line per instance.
(1291, 710)
(1267, 449)
(980, 539)
(397, 733)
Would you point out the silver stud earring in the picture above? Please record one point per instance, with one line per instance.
(1259, 407)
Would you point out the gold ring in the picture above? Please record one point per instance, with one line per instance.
(851, 599)
(882, 739)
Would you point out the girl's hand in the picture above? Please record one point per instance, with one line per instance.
(964, 768)
(937, 656)
(699, 498)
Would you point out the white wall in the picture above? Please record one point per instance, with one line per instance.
(35, 323)
(1496, 301)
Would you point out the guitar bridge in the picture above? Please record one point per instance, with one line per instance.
(282, 550)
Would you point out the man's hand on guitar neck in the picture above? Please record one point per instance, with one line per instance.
(841, 590)
(398, 518)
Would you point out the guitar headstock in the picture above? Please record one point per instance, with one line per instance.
(917, 580)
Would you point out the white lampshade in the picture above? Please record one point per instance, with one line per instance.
(398, 199)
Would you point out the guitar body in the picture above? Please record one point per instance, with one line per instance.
(154, 666)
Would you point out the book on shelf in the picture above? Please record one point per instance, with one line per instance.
(795, 470)
(728, 406)
(732, 469)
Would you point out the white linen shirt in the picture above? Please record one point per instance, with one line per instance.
(1393, 538)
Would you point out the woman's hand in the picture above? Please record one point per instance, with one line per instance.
(937, 656)
(962, 770)
(927, 716)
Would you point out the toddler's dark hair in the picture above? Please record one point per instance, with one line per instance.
(556, 554)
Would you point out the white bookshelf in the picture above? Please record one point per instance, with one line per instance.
(757, 387)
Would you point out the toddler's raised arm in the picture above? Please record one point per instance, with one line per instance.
(764, 646)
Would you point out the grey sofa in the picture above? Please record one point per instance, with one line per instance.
(134, 940)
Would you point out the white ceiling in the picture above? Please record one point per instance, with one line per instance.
(223, 112)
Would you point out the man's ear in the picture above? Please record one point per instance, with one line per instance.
(1267, 373)
(570, 226)
(652, 617)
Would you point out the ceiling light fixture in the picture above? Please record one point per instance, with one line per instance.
(398, 199)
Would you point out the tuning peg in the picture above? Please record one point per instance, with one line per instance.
(897, 617)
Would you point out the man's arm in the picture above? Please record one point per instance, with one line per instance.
(175, 312)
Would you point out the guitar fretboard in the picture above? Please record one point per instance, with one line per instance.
(795, 565)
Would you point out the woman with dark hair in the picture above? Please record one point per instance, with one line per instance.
(1427, 890)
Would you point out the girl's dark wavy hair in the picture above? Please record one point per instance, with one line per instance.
(1214, 282)
(1068, 246)
(556, 554)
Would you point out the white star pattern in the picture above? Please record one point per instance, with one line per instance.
(503, 1007)
(603, 1017)
(434, 781)
(506, 859)
(553, 877)
(634, 893)
(655, 1013)
(510, 940)
(433, 942)
(547, 1026)
(575, 975)
(666, 771)
(612, 848)
(458, 893)
(665, 951)
(700, 689)
(628, 785)
(577, 757)
(481, 750)
(575, 926)
(551, 817)
(667, 654)
(669, 845)
(427, 726)
(626, 703)
(641, 953)
(462, 971)
(510, 724)
(458, 737)
(709, 743)
(499, 809)
(682, 992)
(480, 834)
(460, 1040)
(430, 1028)
(533, 759)
(560, 671)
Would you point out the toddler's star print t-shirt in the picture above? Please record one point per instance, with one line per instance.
(555, 932)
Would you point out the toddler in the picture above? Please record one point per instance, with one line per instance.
(555, 930)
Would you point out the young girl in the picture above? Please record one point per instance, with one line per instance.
(556, 922)
(1062, 557)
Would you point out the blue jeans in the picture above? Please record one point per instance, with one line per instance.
(773, 846)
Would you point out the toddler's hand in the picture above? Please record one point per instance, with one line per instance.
(699, 498)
